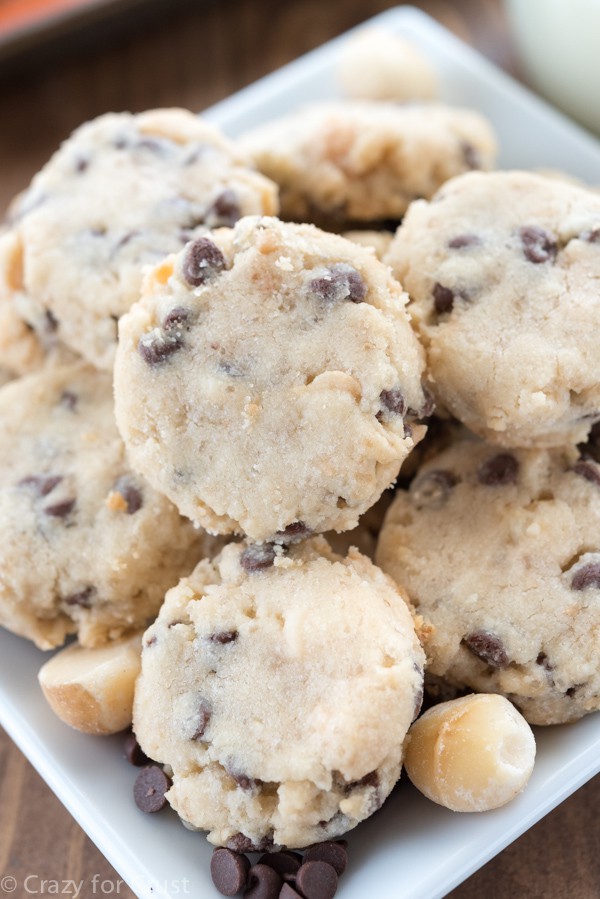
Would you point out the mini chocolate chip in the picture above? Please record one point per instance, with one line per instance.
(432, 489)
(288, 892)
(244, 782)
(151, 143)
(81, 165)
(543, 660)
(317, 880)
(156, 346)
(125, 239)
(51, 322)
(239, 842)
(342, 282)
(263, 883)
(223, 637)
(443, 299)
(149, 789)
(488, 648)
(571, 692)
(257, 557)
(178, 317)
(393, 401)
(133, 751)
(204, 716)
(131, 494)
(293, 533)
(498, 471)
(588, 470)
(202, 260)
(470, 155)
(592, 236)
(225, 210)
(586, 576)
(43, 484)
(60, 510)
(284, 862)
(83, 598)
(332, 853)
(426, 410)
(538, 245)
(69, 400)
(461, 241)
(369, 780)
(229, 871)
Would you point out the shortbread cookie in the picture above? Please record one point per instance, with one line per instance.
(500, 553)
(87, 546)
(471, 754)
(503, 270)
(265, 381)
(361, 161)
(121, 193)
(92, 689)
(278, 686)
(378, 65)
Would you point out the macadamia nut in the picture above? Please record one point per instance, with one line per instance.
(92, 689)
(471, 754)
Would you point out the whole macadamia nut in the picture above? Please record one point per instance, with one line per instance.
(471, 754)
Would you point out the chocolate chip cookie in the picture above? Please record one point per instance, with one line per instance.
(502, 269)
(365, 161)
(278, 684)
(123, 192)
(500, 553)
(269, 382)
(87, 546)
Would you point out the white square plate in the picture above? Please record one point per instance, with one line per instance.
(411, 848)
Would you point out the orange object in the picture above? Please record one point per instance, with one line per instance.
(18, 15)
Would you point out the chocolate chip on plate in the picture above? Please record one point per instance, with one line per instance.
(133, 751)
(229, 871)
(317, 880)
(330, 852)
(149, 789)
(284, 862)
(263, 883)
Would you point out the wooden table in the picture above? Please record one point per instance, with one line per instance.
(193, 57)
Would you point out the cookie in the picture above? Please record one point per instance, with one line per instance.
(502, 270)
(121, 193)
(278, 687)
(268, 381)
(87, 546)
(360, 161)
(500, 554)
(379, 65)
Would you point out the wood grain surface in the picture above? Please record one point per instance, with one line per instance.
(193, 55)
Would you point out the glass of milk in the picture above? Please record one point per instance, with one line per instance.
(559, 43)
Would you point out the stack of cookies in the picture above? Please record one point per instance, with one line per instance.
(274, 382)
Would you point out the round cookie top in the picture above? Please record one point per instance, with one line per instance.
(87, 546)
(265, 379)
(499, 552)
(502, 270)
(346, 161)
(279, 689)
(121, 193)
